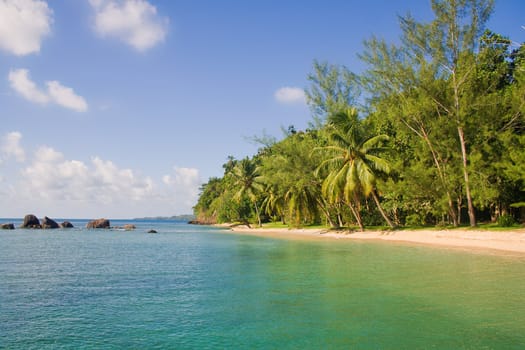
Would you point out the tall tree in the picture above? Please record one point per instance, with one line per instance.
(353, 162)
(246, 183)
(446, 49)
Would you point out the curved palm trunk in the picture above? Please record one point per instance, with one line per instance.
(381, 210)
(325, 211)
(257, 213)
(357, 217)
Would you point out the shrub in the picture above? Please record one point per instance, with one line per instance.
(505, 220)
(414, 220)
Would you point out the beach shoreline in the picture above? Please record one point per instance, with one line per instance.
(512, 241)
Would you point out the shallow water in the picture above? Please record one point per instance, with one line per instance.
(191, 287)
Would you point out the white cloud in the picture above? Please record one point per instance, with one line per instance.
(290, 95)
(23, 25)
(184, 183)
(51, 184)
(51, 176)
(136, 22)
(21, 83)
(10, 147)
(66, 97)
(56, 93)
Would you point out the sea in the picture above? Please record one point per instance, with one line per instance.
(198, 287)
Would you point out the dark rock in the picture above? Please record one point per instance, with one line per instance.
(7, 226)
(197, 222)
(31, 221)
(152, 231)
(99, 223)
(66, 224)
(48, 223)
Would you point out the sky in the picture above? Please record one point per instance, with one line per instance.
(123, 108)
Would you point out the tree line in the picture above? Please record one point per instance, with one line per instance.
(431, 133)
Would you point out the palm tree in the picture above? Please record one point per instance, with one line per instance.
(274, 203)
(302, 203)
(246, 178)
(353, 163)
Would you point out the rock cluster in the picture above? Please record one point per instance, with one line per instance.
(32, 222)
(98, 223)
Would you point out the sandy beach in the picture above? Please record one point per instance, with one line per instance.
(503, 241)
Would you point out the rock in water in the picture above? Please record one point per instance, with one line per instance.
(99, 223)
(31, 221)
(152, 231)
(7, 226)
(66, 224)
(129, 227)
(48, 223)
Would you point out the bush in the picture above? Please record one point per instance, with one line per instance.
(505, 220)
(414, 220)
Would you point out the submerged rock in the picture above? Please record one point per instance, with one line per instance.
(98, 223)
(8, 226)
(152, 231)
(48, 223)
(66, 224)
(31, 221)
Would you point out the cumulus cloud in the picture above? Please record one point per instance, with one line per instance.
(10, 147)
(184, 183)
(51, 176)
(136, 22)
(51, 183)
(290, 95)
(23, 25)
(56, 93)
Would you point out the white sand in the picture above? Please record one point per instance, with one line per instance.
(504, 241)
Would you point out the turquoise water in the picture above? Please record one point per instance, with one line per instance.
(191, 287)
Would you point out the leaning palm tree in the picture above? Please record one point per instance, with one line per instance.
(353, 164)
(246, 178)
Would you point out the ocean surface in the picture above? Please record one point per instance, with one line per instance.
(192, 287)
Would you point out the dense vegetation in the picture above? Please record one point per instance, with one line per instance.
(432, 133)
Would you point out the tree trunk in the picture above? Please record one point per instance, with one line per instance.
(257, 213)
(387, 219)
(357, 217)
(326, 213)
(441, 174)
(459, 209)
(471, 213)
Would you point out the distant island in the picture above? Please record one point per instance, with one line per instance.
(184, 217)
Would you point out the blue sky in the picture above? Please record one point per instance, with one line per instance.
(122, 108)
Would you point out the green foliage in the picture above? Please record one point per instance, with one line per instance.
(441, 133)
(506, 220)
(414, 219)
